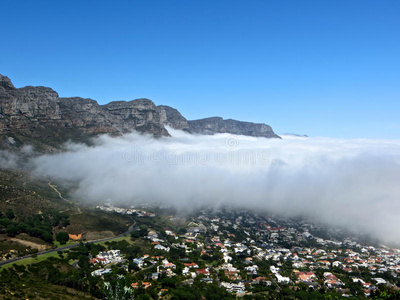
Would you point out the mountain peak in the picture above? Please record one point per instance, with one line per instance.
(38, 116)
(6, 82)
(214, 125)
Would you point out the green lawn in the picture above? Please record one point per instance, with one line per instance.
(58, 245)
(127, 238)
(41, 257)
(31, 260)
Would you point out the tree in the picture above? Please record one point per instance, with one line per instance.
(62, 237)
(118, 291)
(176, 253)
(143, 230)
(22, 227)
(47, 237)
(73, 254)
(135, 234)
(12, 230)
(10, 214)
(83, 262)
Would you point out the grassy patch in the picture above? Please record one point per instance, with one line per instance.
(35, 282)
(6, 246)
(118, 239)
(31, 260)
(26, 237)
(27, 195)
(95, 220)
(42, 257)
(69, 243)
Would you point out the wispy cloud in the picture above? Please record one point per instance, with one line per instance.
(353, 183)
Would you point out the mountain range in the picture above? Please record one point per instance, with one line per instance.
(36, 115)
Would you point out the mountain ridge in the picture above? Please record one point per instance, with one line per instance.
(37, 115)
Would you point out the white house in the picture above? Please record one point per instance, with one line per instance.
(100, 272)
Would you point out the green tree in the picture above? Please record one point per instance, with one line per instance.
(118, 290)
(83, 262)
(10, 214)
(62, 237)
(47, 237)
(135, 234)
(12, 230)
(143, 230)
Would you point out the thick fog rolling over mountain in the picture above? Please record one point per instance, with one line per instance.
(353, 183)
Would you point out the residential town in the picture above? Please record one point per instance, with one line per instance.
(249, 255)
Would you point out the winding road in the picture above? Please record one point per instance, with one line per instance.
(6, 262)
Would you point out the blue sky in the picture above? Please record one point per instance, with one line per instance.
(322, 68)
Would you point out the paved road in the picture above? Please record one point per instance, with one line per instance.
(6, 262)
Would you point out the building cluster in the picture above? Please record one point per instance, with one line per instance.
(125, 211)
(106, 258)
(243, 252)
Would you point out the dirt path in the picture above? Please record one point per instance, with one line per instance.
(54, 187)
(30, 244)
(13, 199)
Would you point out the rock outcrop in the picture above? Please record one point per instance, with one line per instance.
(214, 125)
(28, 113)
(141, 115)
(218, 125)
(37, 115)
(174, 118)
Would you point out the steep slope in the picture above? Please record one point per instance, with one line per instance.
(39, 117)
(174, 118)
(214, 125)
(141, 115)
(218, 125)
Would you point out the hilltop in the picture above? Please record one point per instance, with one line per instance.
(36, 115)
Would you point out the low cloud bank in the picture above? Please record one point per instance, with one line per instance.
(352, 183)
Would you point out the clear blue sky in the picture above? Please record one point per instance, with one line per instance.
(322, 68)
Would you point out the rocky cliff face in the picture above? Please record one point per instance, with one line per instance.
(141, 115)
(214, 125)
(29, 111)
(218, 125)
(37, 115)
(174, 118)
(87, 115)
